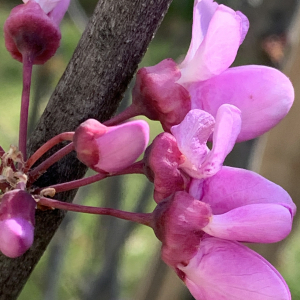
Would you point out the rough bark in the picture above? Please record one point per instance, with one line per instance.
(92, 86)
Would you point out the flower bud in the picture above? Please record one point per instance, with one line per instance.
(30, 31)
(17, 210)
(110, 149)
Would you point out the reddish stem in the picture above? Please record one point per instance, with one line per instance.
(141, 218)
(75, 184)
(129, 112)
(64, 136)
(40, 169)
(27, 71)
(136, 168)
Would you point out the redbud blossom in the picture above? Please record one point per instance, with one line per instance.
(17, 210)
(167, 91)
(32, 29)
(246, 206)
(110, 149)
(171, 160)
(215, 268)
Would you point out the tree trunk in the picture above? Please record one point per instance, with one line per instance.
(92, 86)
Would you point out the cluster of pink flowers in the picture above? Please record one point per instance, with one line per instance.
(204, 209)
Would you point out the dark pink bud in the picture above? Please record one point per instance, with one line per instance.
(158, 95)
(161, 160)
(30, 31)
(110, 149)
(17, 210)
(178, 223)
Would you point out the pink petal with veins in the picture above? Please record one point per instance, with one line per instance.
(227, 270)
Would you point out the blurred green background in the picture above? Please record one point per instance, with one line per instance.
(94, 257)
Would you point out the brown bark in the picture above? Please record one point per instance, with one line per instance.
(92, 86)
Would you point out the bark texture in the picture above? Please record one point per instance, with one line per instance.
(92, 86)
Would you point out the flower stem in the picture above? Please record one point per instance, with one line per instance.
(75, 184)
(141, 218)
(40, 169)
(129, 112)
(64, 136)
(27, 71)
(136, 168)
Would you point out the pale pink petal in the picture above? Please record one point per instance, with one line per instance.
(227, 128)
(191, 136)
(264, 95)
(218, 49)
(255, 223)
(244, 25)
(202, 14)
(227, 270)
(122, 145)
(233, 187)
(46, 5)
(59, 11)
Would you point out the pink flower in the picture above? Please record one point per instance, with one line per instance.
(32, 30)
(110, 149)
(205, 253)
(167, 91)
(17, 210)
(246, 206)
(172, 160)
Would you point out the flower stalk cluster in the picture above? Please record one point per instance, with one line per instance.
(205, 211)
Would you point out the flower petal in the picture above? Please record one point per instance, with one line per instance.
(264, 95)
(255, 223)
(233, 187)
(202, 14)
(59, 11)
(46, 5)
(218, 49)
(227, 128)
(191, 136)
(227, 270)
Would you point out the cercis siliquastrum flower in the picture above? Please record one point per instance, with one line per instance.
(221, 268)
(204, 209)
(203, 80)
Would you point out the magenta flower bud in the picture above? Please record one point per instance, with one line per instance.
(32, 30)
(162, 159)
(158, 95)
(178, 223)
(110, 149)
(17, 210)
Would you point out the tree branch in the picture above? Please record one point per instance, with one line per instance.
(92, 86)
